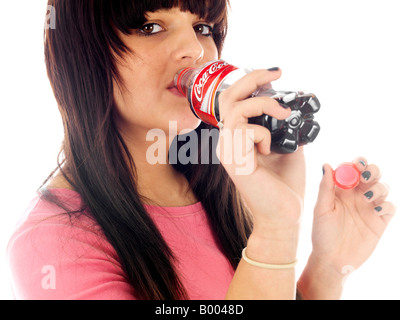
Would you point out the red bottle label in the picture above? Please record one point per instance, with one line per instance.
(205, 87)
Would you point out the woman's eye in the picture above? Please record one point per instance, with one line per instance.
(150, 29)
(204, 29)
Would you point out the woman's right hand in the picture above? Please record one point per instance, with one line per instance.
(272, 185)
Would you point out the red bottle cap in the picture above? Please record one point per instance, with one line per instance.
(347, 176)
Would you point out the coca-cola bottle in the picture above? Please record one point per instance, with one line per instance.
(203, 85)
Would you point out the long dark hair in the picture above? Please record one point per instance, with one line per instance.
(81, 66)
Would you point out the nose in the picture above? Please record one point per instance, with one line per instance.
(188, 47)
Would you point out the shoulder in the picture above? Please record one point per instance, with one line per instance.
(47, 222)
(56, 255)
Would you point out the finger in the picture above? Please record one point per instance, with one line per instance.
(326, 196)
(377, 193)
(247, 136)
(260, 136)
(237, 147)
(244, 87)
(257, 106)
(361, 163)
(371, 174)
(386, 210)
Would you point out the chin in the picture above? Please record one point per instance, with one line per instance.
(183, 125)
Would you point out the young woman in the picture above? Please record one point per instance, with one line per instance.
(109, 224)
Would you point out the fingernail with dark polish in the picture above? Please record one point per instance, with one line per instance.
(323, 170)
(366, 175)
(378, 209)
(273, 69)
(369, 195)
(362, 163)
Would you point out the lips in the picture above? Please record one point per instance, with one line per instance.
(171, 85)
(174, 90)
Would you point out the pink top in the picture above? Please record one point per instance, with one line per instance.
(53, 256)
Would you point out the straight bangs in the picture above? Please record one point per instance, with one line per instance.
(127, 15)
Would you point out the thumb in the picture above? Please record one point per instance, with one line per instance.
(327, 188)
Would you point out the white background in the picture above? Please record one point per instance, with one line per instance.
(346, 52)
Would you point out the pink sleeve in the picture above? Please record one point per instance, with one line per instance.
(55, 257)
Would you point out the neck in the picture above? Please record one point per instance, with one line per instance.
(157, 180)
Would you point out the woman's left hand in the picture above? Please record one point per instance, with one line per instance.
(348, 224)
